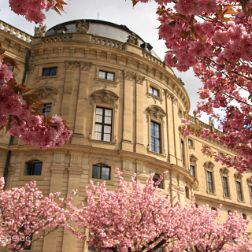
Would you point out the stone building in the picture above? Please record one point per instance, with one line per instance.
(124, 107)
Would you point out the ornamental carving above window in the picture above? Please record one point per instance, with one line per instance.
(224, 171)
(249, 180)
(193, 159)
(104, 96)
(238, 176)
(46, 92)
(209, 165)
(155, 112)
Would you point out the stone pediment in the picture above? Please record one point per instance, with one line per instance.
(155, 111)
(104, 96)
(46, 93)
(224, 171)
(193, 159)
(209, 165)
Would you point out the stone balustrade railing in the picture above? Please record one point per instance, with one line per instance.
(15, 32)
(107, 42)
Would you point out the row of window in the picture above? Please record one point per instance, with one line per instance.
(103, 75)
(99, 171)
(225, 184)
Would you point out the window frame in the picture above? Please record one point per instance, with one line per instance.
(156, 177)
(51, 72)
(101, 166)
(240, 197)
(227, 186)
(192, 143)
(159, 138)
(106, 72)
(183, 152)
(212, 191)
(43, 109)
(193, 174)
(34, 162)
(103, 124)
(250, 192)
(151, 91)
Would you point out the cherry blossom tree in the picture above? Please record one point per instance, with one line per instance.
(34, 10)
(25, 213)
(135, 217)
(18, 106)
(214, 38)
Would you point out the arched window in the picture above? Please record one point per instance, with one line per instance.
(33, 168)
(101, 171)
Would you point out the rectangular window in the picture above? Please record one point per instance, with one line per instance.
(33, 168)
(210, 182)
(105, 75)
(101, 171)
(190, 142)
(155, 137)
(250, 193)
(182, 146)
(103, 124)
(192, 170)
(226, 193)
(239, 190)
(45, 109)
(49, 71)
(156, 178)
(154, 91)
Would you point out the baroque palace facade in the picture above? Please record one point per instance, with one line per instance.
(124, 107)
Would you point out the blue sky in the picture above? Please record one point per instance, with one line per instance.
(141, 19)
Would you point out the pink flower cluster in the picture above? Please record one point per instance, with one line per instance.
(23, 122)
(214, 38)
(25, 212)
(134, 217)
(32, 9)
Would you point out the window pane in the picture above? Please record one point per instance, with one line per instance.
(105, 173)
(239, 191)
(106, 137)
(250, 192)
(108, 112)
(99, 111)
(98, 128)
(37, 168)
(210, 182)
(192, 170)
(98, 118)
(225, 186)
(33, 168)
(102, 75)
(96, 172)
(110, 76)
(107, 120)
(98, 136)
(49, 71)
(157, 130)
(107, 129)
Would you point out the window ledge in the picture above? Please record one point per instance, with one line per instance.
(103, 142)
(49, 76)
(211, 193)
(114, 82)
(31, 177)
(155, 97)
(156, 153)
(228, 198)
